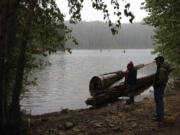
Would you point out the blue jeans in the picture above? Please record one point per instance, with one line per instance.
(158, 96)
(131, 97)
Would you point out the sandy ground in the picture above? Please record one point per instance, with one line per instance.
(114, 119)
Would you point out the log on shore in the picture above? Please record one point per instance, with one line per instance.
(112, 93)
(99, 83)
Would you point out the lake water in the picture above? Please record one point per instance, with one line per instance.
(65, 84)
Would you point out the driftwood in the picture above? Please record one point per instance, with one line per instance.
(100, 83)
(112, 93)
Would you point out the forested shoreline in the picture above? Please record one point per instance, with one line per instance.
(97, 35)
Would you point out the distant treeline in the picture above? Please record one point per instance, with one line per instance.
(97, 35)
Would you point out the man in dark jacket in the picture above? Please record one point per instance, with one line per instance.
(159, 84)
(130, 80)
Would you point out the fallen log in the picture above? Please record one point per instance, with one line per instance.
(120, 89)
(99, 83)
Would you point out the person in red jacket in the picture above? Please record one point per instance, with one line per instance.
(130, 80)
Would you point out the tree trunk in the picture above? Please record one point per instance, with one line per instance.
(99, 83)
(112, 93)
(7, 37)
(15, 117)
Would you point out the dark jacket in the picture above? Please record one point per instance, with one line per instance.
(161, 76)
(131, 76)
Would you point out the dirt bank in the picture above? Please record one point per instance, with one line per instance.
(113, 119)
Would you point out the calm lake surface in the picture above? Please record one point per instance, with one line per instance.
(65, 84)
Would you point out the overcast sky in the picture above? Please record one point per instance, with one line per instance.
(90, 14)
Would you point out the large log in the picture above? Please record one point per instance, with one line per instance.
(99, 83)
(120, 89)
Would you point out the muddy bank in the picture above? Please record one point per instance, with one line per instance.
(113, 119)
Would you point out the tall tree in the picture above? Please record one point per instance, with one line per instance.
(164, 15)
(7, 38)
(27, 28)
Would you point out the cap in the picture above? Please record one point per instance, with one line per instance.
(161, 58)
(131, 64)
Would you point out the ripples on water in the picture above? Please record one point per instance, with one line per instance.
(65, 84)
